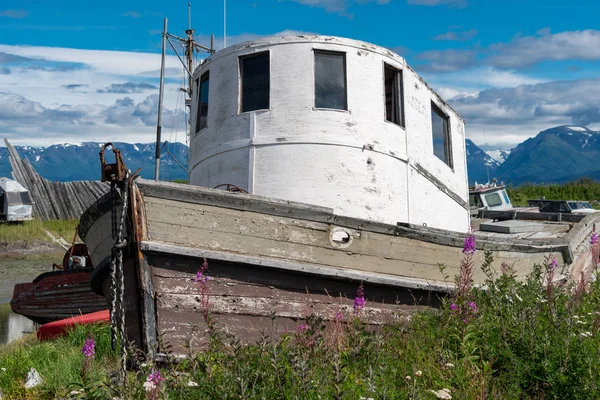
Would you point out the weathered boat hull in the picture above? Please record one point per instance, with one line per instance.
(56, 295)
(272, 262)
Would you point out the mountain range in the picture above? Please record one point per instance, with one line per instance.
(556, 155)
(559, 154)
(81, 161)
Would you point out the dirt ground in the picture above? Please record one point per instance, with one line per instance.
(22, 263)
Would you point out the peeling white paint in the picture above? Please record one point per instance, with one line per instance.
(353, 161)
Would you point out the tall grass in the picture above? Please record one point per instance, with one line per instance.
(514, 340)
(30, 232)
(59, 363)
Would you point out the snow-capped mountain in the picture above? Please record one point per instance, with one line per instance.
(479, 164)
(81, 161)
(559, 154)
(498, 155)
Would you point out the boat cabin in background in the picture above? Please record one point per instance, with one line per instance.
(15, 203)
(331, 122)
(488, 197)
(562, 206)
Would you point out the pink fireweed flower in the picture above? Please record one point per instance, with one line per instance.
(155, 378)
(453, 307)
(89, 348)
(338, 316)
(594, 238)
(469, 247)
(200, 277)
(359, 301)
(301, 328)
(552, 264)
(473, 306)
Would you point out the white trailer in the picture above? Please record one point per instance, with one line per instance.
(15, 202)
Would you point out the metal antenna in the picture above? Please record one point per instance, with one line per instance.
(487, 164)
(190, 46)
(160, 102)
(189, 15)
(224, 23)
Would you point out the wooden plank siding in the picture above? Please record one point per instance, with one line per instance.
(275, 237)
(247, 300)
(54, 200)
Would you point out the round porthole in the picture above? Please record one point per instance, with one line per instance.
(340, 237)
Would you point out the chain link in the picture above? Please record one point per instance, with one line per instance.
(117, 277)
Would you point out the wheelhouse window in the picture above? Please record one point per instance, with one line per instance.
(202, 114)
(330, 80)
(493, 200)
(394, 101)
(442, 148)
(255, 78)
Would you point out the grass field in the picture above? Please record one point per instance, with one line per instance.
(513, 340)
(31, 232)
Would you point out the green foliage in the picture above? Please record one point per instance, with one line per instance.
(59, 363)
(30, 232)
(64, 228)
(522, 342)
(583, 189)
(25, 232)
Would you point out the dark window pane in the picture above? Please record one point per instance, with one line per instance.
(14, 198)
(202, 114)
(493, 199)
(441, 137)
(254, 72)
(393, 95)
(330, 80)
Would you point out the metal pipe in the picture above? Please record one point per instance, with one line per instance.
(160, 103)
(180, 59)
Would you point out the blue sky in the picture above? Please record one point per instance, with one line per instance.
(79, 70)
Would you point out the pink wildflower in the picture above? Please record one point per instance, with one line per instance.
(473, 306)
(469, 247)
(594, 238)
(89, 348)
(302, 328)
(155, 378)
(359, 301)
(338, 316)
(552, 264)
(453, 307)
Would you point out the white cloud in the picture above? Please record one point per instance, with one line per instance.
(338, 6)
(514, 114)
(456, 3)
(454, 34)
(14, 13)
(518, 53)
(529, 50)
(103, 61)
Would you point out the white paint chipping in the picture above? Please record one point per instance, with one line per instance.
(353, 161)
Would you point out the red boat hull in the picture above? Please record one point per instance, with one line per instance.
(56, 295)
(58, 328)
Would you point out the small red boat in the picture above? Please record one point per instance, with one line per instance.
(59, 294)
(58, 328)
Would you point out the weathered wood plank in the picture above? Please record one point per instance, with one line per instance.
(54, 200)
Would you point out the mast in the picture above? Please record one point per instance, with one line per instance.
(190, 46)
(160, 103)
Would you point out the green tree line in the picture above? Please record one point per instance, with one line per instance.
(583, 189)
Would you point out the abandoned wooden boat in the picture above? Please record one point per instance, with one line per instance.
(355, 171)
(59, 294)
